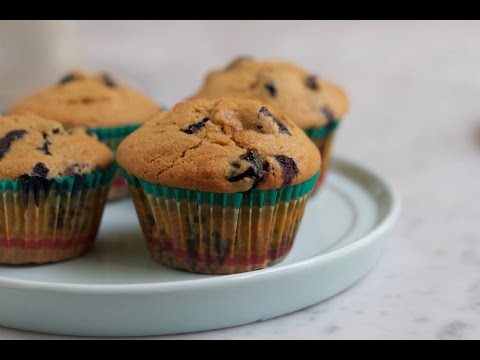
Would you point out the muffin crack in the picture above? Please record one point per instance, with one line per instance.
(231, 136)
(190, 149)
(45, 148)
(179, 161)
(87, 100)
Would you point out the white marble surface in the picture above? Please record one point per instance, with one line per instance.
(415, 89)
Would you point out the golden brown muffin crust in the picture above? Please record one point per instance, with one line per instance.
(79, 99)
(33, 146)
(305, 99)
(222, 146)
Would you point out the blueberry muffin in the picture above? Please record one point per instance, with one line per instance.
(220, 186)
(106, 107)
(315, 104)
(53, 184)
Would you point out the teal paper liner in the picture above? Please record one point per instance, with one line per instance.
(219, 233)
(113, 136)
(97, 178)
(319, 132)
(48, 220)
(253, 198)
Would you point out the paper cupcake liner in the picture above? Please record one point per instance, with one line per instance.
(324, 138)
(112, 137)
(213, 233)
(49, 220)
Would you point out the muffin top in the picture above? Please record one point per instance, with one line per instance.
(31, 146)
(220, 146)
(79, 99)
(304, 98)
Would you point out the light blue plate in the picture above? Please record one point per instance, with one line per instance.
(118, 290)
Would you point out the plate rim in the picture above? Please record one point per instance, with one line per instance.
(385, 224)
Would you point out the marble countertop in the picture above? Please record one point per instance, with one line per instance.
(415, 118)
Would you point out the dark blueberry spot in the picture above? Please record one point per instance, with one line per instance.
(8, 139)
(260, 127)
(249, 173)
(35, 183)
(44, 148)
(67, 78)
(73, 170)
(267, 167)
(194, 128)
(236, 165)
(237, 61)
(40, 170)
(289, 168)
(281, 126)
(272, 90)
(255, 171)
(264, 111)
(56, 131)
(312, 83)
(253, 158)
(328, 114)
(107, 80)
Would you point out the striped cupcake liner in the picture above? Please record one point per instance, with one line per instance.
(112, 137)
(324, 138)
(213, 233)
(50, 220)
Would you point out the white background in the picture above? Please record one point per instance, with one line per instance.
(415, 118)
